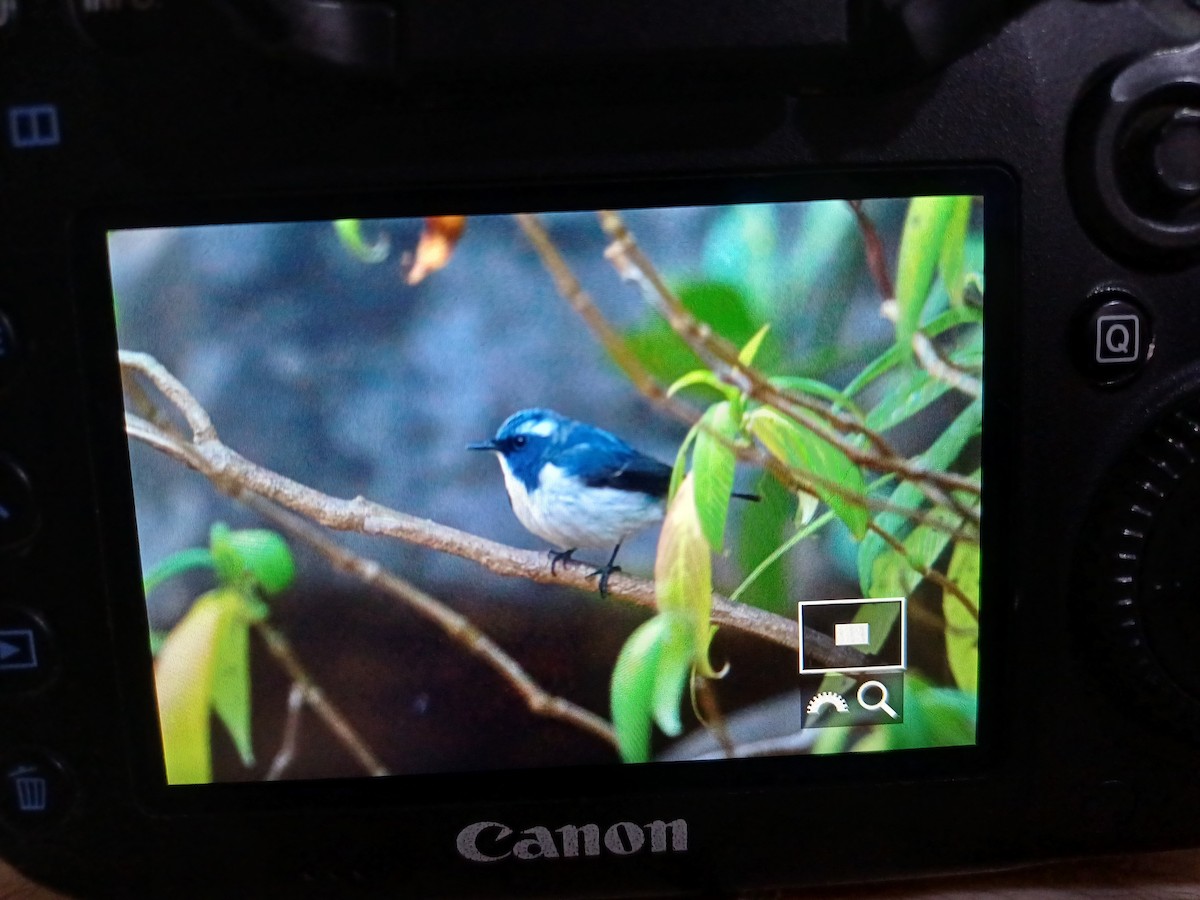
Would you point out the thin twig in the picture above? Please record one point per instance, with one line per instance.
(291, 733)
(943, 369)
(281, 649)
(873, 247)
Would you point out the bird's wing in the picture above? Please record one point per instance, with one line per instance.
(638, 473)
(602, 460)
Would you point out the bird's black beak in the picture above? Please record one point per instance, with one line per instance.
(482, 445)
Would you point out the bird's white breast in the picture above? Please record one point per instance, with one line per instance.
(567, 513)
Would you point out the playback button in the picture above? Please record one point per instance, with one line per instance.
(27, 657)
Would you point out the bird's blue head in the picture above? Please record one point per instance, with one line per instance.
(526, 439)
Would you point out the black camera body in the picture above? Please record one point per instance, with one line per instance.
(1078, 123)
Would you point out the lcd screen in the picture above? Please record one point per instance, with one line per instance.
(453, 493)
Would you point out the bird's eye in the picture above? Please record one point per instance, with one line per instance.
(520, 440)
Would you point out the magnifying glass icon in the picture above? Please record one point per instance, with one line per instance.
(881, 703)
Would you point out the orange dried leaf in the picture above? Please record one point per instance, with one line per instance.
(438, 240)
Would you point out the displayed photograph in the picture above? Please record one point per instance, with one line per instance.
(464, 493)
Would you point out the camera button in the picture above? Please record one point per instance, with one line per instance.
(36, 791)
(1115, 339)
(18, 510)
(27, 657)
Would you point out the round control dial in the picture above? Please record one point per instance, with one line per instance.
(1141, 569)
(1134, 158)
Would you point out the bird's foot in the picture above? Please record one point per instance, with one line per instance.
(604, 572)
(560, 556)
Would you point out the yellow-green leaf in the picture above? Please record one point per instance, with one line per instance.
(683, 569)
(799, 448)
(920, 251)
(954, 246)
(713, 465)
(231, 684)
(183, 678)
(962, 629)
(746, 357)
(703, 377)
(648, 682)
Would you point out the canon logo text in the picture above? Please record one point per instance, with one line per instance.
(493, 841)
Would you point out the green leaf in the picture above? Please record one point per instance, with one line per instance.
(648, 682)
(746, 357)
(962, 629)
(231, 682)
(176, 564)
(258, 554)
(713, 464)
(911, 391)
(722, 306)
(920, 250)
(679, 651)
(954, 248)
(799, 448)
(183, 678)
(701, 377)
(349, 232)
(938, 458)
(683, 569)
(763, 529)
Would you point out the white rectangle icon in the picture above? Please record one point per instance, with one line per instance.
(832, 626)
(852, 634)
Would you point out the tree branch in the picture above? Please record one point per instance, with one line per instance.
(237, 477)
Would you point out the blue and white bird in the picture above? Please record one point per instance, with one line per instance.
(576, 485)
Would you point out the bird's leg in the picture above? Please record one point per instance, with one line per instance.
(606, 570)
(560, 556)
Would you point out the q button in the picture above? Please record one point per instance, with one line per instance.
(1115, 339)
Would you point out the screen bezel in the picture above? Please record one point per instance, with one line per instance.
(601, 784)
